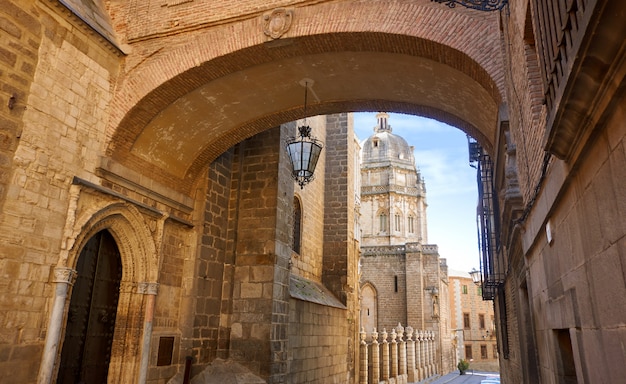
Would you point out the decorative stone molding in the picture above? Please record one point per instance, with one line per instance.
(147, 288)
(171, 3)
(277, 23)
(64, 275)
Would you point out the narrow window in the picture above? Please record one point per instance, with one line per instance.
(483, 352)
(466, 320)
(383, 222)
(464, 289)
(297, 225)
(395, 282)
(481, 321)
(410, 223)
(166, 350)
(398, 222)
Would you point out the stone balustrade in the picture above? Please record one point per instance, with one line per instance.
(400, 357)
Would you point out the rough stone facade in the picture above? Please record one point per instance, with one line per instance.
(161, 121)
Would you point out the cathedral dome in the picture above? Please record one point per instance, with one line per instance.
(383, 147)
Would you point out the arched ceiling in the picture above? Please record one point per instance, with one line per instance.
(187, 103)
(182, 131)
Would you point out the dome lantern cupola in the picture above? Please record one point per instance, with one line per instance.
(383, 123)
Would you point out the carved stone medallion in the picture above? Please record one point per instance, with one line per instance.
(277, 23)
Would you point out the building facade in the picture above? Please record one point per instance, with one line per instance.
(150, 131)
(472, 324)
(403, 279)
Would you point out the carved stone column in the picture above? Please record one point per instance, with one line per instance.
(150, 290)
(64, 278)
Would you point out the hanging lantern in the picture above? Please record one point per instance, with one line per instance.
(303, 154)
(304, 150)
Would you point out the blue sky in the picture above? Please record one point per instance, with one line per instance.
(441, 155)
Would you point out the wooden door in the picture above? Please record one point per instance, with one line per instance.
(91, 318)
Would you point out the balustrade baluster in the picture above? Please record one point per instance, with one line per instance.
(410, 352)
(401, 350)
(385, 373)
(433, 353)
(363, 359)
(394, 353)
(418, 355)
(375, 358)
(430, 353)
(422, 355)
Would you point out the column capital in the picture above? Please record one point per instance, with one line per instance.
(64, 275)
(147, 288)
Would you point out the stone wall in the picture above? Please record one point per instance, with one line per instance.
(578, 287)
(560, 301)
(385, 273)
(48, 134)
(403, 278)
(317, 353)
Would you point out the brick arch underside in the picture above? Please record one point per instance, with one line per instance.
(190, 104)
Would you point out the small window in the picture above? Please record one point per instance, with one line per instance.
(411, 225)
(466, 320)
(398, 222)
(395, 282)
(375, 143)
(468, 352)
(481, 321)
(479, 291)
(483, 352)
(297, 225)
(166, 350)
(383, 222)
(464, 289)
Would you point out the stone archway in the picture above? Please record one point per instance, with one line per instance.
(129, 229)
(369, 307)
(187, 97)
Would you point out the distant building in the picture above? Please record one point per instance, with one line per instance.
(472, 323)
(403, 279)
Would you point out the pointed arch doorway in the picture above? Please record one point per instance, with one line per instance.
(369, 308)
(91, 317)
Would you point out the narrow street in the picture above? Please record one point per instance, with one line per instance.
(469, 378)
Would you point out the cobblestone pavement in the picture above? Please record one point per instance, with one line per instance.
(470, 377)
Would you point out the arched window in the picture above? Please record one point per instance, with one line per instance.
(398, 222)
(382, 219)
(411, 224)
(297, 225)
